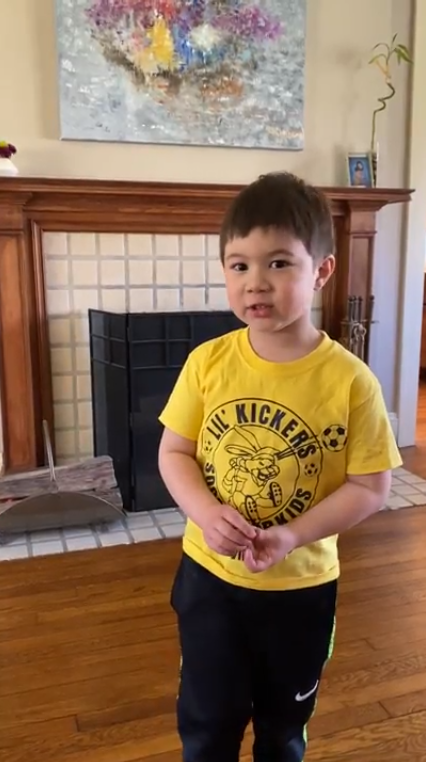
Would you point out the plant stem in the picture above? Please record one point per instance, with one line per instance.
(376, 111)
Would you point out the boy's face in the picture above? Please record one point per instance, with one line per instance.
(271, 279)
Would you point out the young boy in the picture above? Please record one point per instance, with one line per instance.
(276, 440)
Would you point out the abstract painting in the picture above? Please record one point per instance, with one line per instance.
(184, 72)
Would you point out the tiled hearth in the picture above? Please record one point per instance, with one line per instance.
(138, 527)
(117, 273)
(408, 490)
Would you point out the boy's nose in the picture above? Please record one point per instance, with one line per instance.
(258, 286)
(257, 282)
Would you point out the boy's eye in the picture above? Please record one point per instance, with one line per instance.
(276, 264)
(239, 267)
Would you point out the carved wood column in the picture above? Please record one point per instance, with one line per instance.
(355, 232)
(18, 363)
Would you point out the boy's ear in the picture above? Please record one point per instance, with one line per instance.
(324, 272)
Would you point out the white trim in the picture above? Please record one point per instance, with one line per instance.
(393, 420)
(412, 274)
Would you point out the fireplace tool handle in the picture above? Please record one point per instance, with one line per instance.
(49, 453)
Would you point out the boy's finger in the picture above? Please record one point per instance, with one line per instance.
(225, 546)
(257, 560)
(253, 564)
(236, 520)
(233, 535)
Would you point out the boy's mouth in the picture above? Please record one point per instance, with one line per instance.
(260, 310)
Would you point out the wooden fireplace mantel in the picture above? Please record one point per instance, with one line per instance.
(29, 206)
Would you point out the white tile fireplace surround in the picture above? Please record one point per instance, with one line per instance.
(117, 273)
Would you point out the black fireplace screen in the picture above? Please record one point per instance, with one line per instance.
(135, 361)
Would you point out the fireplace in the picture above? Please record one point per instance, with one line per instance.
(135, 360)
(67, 246)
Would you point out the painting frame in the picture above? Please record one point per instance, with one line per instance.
(114, 86)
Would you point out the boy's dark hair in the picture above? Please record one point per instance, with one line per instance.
(281, 200)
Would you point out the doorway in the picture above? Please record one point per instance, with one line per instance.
(421, 401)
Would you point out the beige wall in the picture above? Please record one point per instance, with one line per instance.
(340, 94)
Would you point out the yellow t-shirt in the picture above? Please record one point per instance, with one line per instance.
(274, 439)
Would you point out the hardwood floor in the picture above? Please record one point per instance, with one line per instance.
(89, 655)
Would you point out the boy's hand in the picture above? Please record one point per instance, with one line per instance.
(227, 532)
(270, 546)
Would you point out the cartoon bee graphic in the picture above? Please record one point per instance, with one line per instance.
(249, 483)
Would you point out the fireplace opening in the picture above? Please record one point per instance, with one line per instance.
(135, 360)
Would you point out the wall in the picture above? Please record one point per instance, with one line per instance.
(340, 95)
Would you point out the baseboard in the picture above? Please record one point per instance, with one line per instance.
(393, 419)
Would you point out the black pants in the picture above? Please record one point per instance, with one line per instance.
(248, 655)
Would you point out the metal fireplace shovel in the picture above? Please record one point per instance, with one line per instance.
(56, 508)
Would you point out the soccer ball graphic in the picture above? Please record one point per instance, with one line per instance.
(311, 469)
(334, 437)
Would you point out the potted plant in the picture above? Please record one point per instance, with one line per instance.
(383, 60)
(7, 150)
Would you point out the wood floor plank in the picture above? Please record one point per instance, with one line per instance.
(62, 645)
(36, 705)
(24, 733)
(402, 739)
(409, 703)
(395, 626)
(372, 662)
(150, 707)
(119, 742)
(350, 718)
(85, 666)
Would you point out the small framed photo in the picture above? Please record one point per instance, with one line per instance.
(360, 170)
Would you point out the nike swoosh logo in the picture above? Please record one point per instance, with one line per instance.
(304, 696)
